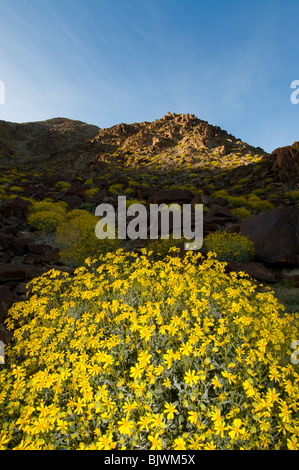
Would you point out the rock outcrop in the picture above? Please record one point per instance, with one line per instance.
(275, 235)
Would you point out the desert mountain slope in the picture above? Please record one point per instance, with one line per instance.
(178, 149)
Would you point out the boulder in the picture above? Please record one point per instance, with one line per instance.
(16, 207)
(5, 335)
(73, 201)
(255, 270)
(6, 300)
(20, 289)
(19, 272)
(5, 241)
(232, 228)
(39, 248)
(172, 196)
(286, 161)
(77, 189)
(292, 276)
(9, 229)
(19, 245)
(275, 235)
(218, 213)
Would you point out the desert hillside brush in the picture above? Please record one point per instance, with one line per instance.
(294, 195)
(241, 212)
(76, 239)
(46, 215)
(134, 354)
(229, 246)
(47, 221)
(92, 192)
(46, 205)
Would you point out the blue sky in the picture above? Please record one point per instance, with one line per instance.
(229, 62)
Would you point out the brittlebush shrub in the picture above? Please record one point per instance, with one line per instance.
(229, 246)
(92, 192)
(294, 195)
(241, 212)
(258, 204)
(76, 239)
(133, 354)
(46, 205)
(47, 221)
(46, 215)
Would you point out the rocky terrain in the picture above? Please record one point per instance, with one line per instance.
(178, 158)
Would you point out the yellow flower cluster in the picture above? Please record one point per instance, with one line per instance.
(135, 354)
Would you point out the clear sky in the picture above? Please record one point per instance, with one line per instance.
(229, 62)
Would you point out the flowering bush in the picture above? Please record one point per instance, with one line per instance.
(229, 246)
(116, 189)
(62, 185)
(92, 192)
(133, 354)
(241, 212)
(294, 195)
(46, 205)
(45, 220)
(259, 204)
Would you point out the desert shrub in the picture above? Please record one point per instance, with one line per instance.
(237, 201)
(62, 185)
(133, 354)
(129, 191)
(129, 202)
(258, 191)
(241, 212)
(16, 189)
(76, 239)
(236, 187)
(229, 246)
(92, 192)
(116, 188)
(43, 206)
(5, 180)
(133, 183)
(221, 193)
(86, 206)
(244, 181)
(270, 187)
(294, 195)
(45, 220)
(258, 204)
